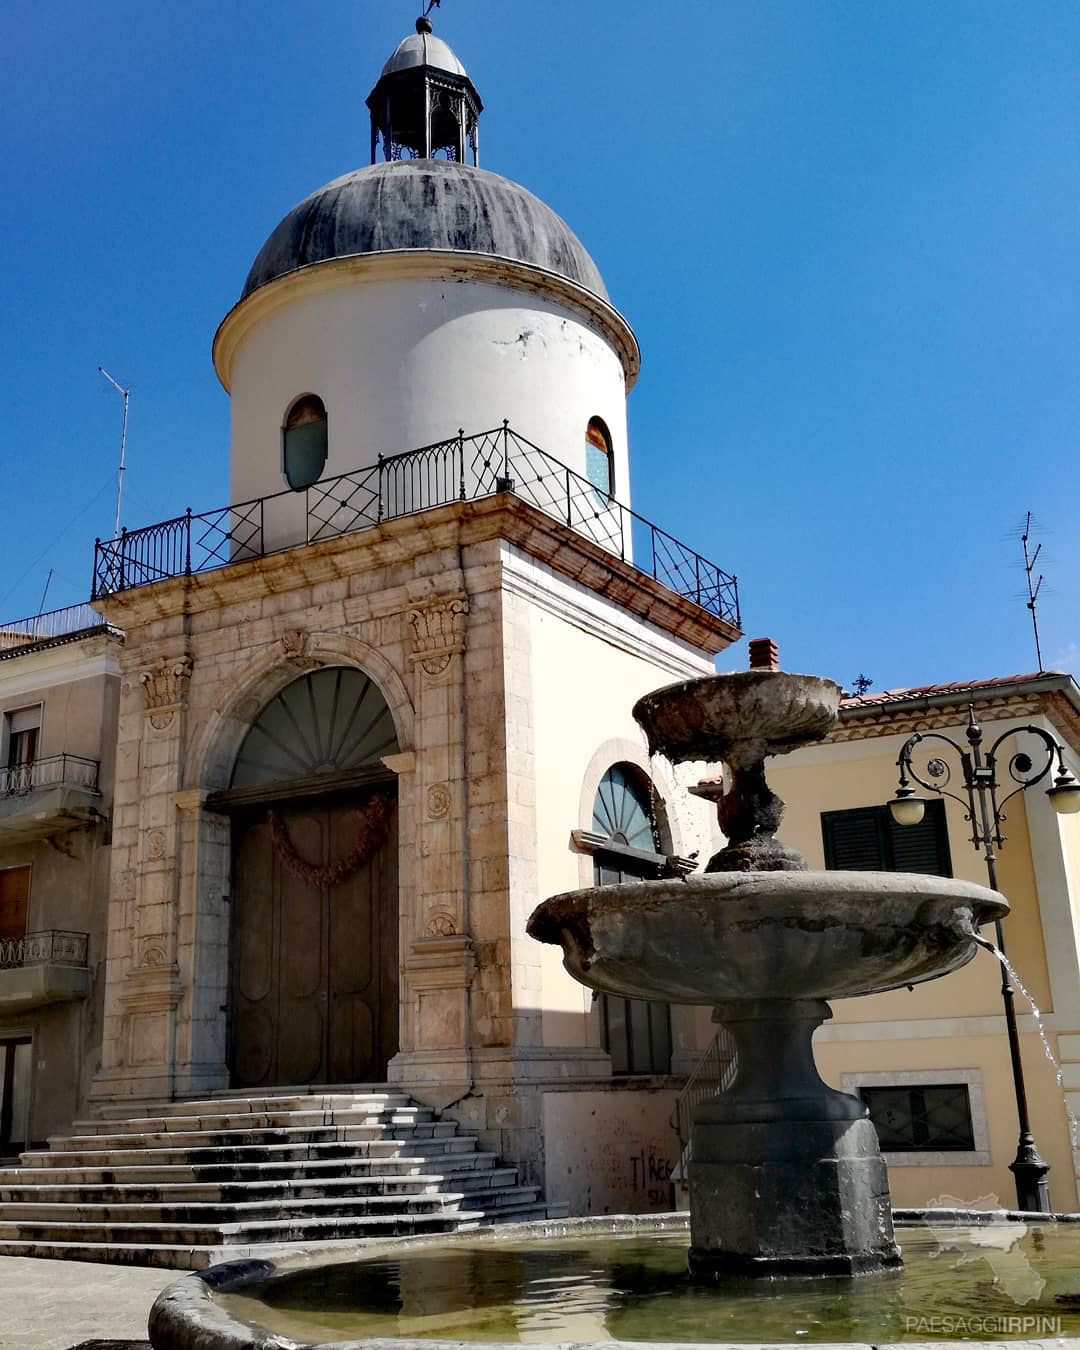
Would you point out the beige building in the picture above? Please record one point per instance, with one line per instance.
(933, 1063)
(59, 686)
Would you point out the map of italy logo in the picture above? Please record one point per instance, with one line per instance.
(995, 1241)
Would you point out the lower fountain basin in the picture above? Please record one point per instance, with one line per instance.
(724, 937)
(619, 1280)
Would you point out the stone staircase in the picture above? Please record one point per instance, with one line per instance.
(202, 1181)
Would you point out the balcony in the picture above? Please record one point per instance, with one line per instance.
(47, 797)
(462, 469)
(53, 629)
(42, 968)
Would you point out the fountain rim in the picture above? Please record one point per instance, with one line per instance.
(185, 1315)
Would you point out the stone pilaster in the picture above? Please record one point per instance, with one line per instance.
(437, 961)
(144, 988)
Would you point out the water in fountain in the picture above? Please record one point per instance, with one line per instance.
(1040, 1026)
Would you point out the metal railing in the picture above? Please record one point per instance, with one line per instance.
(51, 771)
(714, 1073)
(50, 947)
(463, 468)
(57, 623)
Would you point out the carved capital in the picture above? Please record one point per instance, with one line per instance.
(165, 687)
(438, 633)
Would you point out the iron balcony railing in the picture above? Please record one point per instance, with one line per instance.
(51, 947)
(464, 468)
(57, 623)
(714, 1073)
(51, 771)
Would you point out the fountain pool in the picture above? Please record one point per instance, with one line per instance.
(625, 1280)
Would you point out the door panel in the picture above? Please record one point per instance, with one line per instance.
(15, 1069)
(314, 988)
(14, 899)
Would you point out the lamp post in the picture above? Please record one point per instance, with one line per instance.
(983, 810)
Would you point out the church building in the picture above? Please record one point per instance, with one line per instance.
(374, 710)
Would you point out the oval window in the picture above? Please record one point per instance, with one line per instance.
(599, 461)
(304, 442)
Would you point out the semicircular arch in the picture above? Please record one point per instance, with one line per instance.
(213, 754)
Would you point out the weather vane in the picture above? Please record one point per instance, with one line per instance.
(431, 4)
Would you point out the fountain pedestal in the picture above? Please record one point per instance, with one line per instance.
(786, 1176)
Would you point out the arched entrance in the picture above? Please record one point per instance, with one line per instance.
(313, 983)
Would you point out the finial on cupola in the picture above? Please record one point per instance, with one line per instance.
(423, 23)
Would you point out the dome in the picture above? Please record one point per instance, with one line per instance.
(424, 49)
(424, 204)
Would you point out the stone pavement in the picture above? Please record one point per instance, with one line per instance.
(54, 1305)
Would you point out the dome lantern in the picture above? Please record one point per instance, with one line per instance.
(424, 105)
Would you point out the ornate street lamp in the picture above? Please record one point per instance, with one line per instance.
(984, 811)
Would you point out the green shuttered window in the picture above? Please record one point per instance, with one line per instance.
(867, 839)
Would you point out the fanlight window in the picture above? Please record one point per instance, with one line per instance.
(329, 721)
(304, 442)
(599, 460)
(622, 810)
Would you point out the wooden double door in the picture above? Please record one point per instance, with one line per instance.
(314, 964)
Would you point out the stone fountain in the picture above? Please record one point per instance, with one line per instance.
(785, 1175)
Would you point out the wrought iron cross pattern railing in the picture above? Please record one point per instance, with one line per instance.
(463, 468)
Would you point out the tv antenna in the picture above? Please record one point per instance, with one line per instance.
(123, 446)
(1034, 587)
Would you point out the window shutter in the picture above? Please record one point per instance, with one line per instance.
(853, 841)
(867, 839)
(923, 847)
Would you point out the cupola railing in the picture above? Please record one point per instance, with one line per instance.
(463, 468)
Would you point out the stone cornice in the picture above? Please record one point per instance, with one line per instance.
(404, 264)
(459, 524)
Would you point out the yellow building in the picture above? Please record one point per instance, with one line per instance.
(933, 1063)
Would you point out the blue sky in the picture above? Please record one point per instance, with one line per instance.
(845, 233)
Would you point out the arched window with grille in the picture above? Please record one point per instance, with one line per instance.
(636, 1033)
(304, 442)
(599, 457)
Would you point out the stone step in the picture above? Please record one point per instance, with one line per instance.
(123, 1254)
(276, 1208)
(252, 1120)
(445, 1165)
(187, 1183)
(308, 1134)
(288, 1189)
(251, 1153)
(257, 1230)
(184, 1257)
(236, 1100)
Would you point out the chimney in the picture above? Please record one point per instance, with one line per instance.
(764, 654)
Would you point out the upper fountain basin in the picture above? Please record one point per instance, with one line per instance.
(739, 717)
(729, 936)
